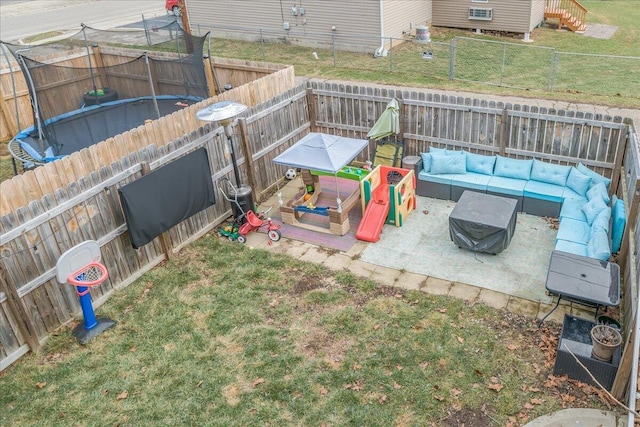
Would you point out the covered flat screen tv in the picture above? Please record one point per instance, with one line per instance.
(167, 196)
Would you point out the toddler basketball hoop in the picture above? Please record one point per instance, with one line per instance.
(88, 276)
(80, 267)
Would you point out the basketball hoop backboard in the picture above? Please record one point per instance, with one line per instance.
(76, 258)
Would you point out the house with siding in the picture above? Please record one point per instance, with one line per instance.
(514, 16)
(360, 24)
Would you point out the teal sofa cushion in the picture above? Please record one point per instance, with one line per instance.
(543, 191)
(471, 180)
(592, 208)
(572, 208)
(511, 186)
(578, 182)
(512, 168)
(598, 246)
(599, 190)
(426, 162)
(602, 221)
(438, 179)
(571, 247)
(549, 172)
(448, 164)
(569, 194)
(479, 163)
(573, 230)
(595, 176)
(618, 223)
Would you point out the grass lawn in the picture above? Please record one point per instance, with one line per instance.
(226, 335)
(526, 67)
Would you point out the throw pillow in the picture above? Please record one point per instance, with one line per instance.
(592, 208)
(598, 246)
(599, 190)
(437, 150)
(595, 176)
(479, 163)
(426, 162)
(578, 182)
(443, 163)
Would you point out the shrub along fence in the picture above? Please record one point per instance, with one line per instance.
(36, 232)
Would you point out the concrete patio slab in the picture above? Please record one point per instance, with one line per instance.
(600, 31)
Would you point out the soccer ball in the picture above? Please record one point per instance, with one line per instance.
(291, 173)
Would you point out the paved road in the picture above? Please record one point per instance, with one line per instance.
(24, 18)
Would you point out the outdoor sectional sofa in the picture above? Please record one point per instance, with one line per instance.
(590, 221)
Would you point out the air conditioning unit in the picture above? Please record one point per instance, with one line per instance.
(481, 13)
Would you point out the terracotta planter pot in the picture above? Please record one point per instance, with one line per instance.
(605, 340)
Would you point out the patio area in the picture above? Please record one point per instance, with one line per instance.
(421, 255)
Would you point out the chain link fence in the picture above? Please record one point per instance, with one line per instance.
(514, 65)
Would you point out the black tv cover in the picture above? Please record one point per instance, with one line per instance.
(167, 196)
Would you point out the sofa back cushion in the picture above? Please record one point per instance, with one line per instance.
(578, 182)
(619, 221)
(426, 162)
(512, 168)
(595, 176)
(598, 190)
(478, 163)
(444, 163)
(549, 173)
(592, 208)
(598, 246)
(602, 221)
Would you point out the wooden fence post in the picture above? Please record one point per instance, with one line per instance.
(503, 132)
(19, 313)
(165, 240)
(311, 104)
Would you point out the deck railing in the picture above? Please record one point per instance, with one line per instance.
(572, 7)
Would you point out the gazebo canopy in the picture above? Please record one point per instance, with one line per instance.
(321, 152)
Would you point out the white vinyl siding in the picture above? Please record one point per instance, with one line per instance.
(507, 15)
(355, 18)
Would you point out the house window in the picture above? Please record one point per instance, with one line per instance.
(483, 14)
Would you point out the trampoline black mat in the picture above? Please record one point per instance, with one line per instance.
(85, 127)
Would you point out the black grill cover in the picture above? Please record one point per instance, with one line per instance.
(167, 196)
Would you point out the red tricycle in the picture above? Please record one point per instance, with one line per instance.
(249, 221)
(255, 222)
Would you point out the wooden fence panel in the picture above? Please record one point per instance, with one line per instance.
(81, 200)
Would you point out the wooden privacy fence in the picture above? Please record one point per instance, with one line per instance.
(74, 199)
(15, 103)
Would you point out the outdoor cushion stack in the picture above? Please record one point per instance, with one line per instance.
(591, 223)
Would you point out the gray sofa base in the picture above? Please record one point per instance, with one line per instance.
(456, 192)
(433, 189)
(510, 196)
(541, 207)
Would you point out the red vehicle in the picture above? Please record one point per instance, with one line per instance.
(173, 7)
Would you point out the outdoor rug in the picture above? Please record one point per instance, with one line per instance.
(327, 198)
(422, 245)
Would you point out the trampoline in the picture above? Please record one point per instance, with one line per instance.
(81, 94)
(86, 126)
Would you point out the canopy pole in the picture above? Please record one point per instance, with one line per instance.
(338, 201)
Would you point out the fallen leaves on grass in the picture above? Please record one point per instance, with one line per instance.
(41, 384)
(257, 382)
(122, 395)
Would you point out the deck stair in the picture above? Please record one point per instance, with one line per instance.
(569, 13)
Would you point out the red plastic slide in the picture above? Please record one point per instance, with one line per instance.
(374, 215)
